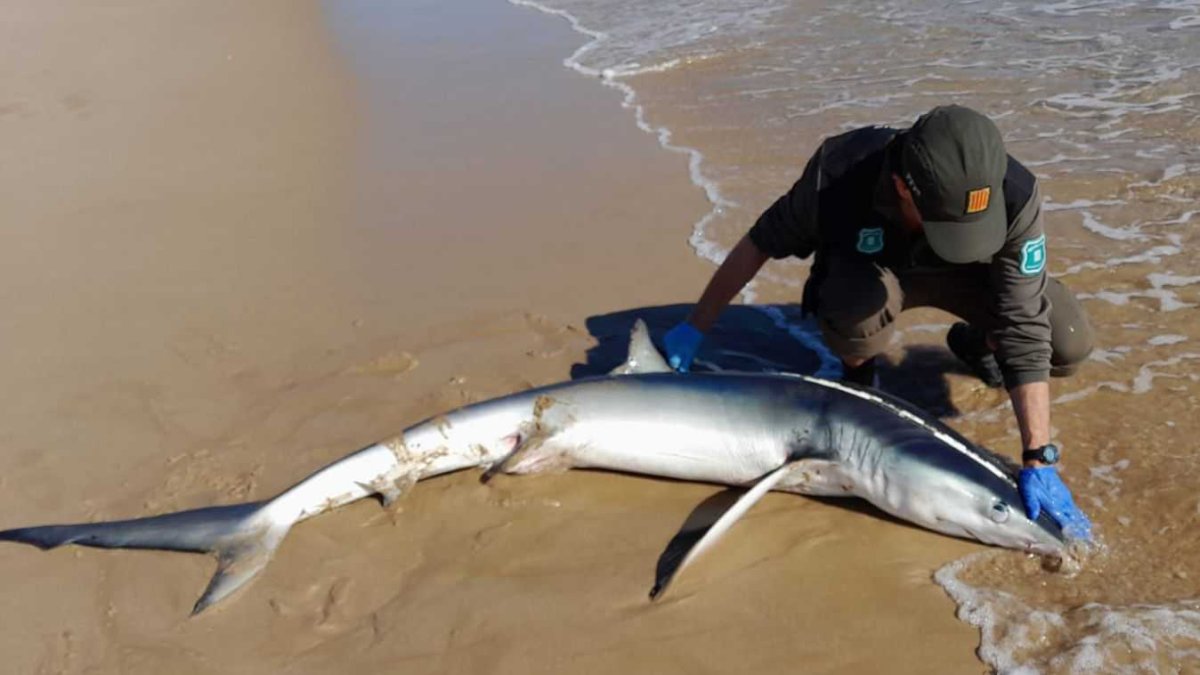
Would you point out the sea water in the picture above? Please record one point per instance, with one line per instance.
(1101, 100)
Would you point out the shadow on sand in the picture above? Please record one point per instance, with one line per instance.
(748, 339)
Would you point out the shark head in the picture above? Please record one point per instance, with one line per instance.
(927, 473)
(967, 493)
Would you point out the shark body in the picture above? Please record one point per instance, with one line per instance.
(776, 432)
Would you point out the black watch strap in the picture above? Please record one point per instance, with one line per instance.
(1046, 454)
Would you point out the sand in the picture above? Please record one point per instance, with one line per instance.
(244, 239)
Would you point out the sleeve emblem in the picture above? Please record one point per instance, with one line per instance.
(1033, 256)
(870, 240)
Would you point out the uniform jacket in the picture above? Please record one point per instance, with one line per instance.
(845, 204)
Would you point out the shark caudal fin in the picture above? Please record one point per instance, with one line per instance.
(242, 536)
(643, 357)
(240, 561)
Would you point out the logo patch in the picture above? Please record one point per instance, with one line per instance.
(977, 200)
(870, 240)
(1033, 256)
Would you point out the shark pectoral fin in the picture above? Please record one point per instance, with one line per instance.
(666, 574)
(531, 456)
(240, 562)
(514, 442)
(533, 448)
(517, 442)
(643, 357)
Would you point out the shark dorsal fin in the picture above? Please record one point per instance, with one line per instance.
(643, 357)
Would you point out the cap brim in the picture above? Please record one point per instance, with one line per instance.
(969, 240)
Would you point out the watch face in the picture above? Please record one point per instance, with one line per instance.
(1050, 454)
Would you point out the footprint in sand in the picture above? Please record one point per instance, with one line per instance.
(325, 608)
(551, 338)
(392, 363)
(60, 655)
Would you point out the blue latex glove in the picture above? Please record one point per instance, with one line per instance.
(1041, 488)
(682, 343)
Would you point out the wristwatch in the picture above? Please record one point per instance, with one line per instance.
(1047, 454)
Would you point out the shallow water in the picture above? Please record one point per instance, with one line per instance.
(1100, 100)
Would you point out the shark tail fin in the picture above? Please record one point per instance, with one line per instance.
(242, 536)
(643, 356)
(240, 562)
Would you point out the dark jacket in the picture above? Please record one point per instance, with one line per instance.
(845, 205)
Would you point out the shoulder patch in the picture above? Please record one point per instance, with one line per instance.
(1033, 256)
(870, 240)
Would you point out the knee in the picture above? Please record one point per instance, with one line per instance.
(1071, 335)
(857, 320)
(1070, 347)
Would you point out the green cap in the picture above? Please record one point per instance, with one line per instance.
(953, 161)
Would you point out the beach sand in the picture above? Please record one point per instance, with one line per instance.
(244, 240)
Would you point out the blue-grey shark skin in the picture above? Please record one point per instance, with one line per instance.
(730, 429)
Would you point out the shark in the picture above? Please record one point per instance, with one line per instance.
(761, 431)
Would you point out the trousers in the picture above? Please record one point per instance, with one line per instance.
(858, 302)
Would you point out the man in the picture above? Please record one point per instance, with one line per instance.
(935, 215)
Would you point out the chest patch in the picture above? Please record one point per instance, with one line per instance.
(870, 240)
(1033, 256)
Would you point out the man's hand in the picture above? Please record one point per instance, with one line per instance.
(682, 343)
(1041, 488)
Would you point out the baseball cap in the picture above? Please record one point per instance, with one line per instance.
(953, 161)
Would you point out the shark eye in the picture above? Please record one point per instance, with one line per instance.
(999, 512)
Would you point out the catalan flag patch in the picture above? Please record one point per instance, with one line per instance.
(977, 200)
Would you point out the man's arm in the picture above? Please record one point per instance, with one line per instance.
(740, 266)
(1031, 403)
(786, 228)
(1022, 341)
(1040, 486)
(683, 341)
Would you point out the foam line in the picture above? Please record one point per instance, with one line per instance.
(1048, 205)
(1060, 158)
(1097, 636)
(1127, 233)
(611, 77)
(704, 247)
(1146, 375)
(1107, 356)
(1190, 21)
(1153, 255)
(1183, 219)
(1088, 391)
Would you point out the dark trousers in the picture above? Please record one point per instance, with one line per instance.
(858, 303)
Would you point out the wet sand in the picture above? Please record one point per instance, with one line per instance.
(246, 240)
